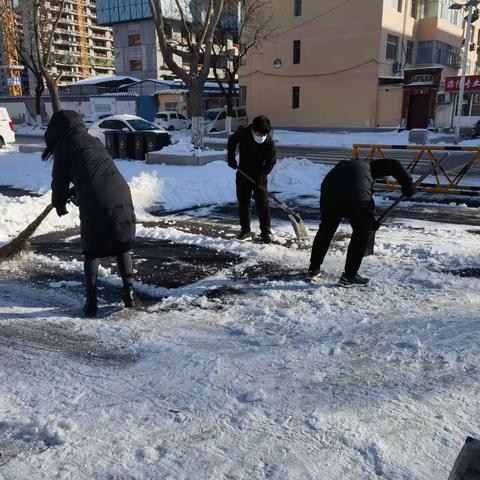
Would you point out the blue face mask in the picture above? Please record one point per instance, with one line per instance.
(260, 138)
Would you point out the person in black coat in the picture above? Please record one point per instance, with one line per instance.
(107, 218)
(257, 159)
(347, 192)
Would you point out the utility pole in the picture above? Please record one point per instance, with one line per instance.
(466, 48)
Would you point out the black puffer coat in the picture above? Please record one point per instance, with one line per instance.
(107, 219)
(256, 159)
(349, 185)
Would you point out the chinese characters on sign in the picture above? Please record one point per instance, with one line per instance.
(472, 83)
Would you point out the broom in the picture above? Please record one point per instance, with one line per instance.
(20, 243)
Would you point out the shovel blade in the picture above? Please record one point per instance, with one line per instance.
(299, 228)
(370, 244)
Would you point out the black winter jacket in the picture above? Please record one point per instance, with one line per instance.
(107, 219)
(349, 185)
(256, 160)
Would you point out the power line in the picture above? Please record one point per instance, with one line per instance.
(347, 69)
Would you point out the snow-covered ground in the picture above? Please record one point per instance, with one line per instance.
(239, 376)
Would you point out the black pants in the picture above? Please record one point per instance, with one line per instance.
(125, 267)
(245, 188)
(361, 221)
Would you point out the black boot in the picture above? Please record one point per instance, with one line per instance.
(90, 308)
(128, 297)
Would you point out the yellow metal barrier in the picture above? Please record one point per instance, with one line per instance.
(450, 178)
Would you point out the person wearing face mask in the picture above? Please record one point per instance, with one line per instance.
(258, 156)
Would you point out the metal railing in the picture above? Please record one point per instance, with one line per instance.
(450, 178)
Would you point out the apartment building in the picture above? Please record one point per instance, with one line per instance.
(12, 22)
(137, 52)
(82, 47)
(352, 64)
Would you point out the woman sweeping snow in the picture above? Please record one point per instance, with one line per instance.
(107, 219)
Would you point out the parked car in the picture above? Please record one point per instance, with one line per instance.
(125, 123)
(7, 131)
(95, 118)
(215, 119)
(172, 121)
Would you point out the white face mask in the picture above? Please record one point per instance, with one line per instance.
(260, 138)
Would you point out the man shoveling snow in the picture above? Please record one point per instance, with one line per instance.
(347, 192)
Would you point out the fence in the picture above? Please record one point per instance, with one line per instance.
(453, 177)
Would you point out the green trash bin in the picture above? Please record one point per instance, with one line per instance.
(156, 140)
(139, 145)
(111, 143)
(125, 144)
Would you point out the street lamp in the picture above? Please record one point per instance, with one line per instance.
(458, 6)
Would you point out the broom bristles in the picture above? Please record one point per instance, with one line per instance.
(20, 243)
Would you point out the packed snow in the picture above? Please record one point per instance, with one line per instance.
(238, 376)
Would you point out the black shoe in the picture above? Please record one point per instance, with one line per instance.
(91, 306)
(314, 274)
(128, 297)
(242, 236)
(266, 238)
(353, 281)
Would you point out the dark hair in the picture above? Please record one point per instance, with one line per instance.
(261, 124)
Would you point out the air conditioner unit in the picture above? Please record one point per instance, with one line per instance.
(444, 98)
(397, 67)
(473, 47)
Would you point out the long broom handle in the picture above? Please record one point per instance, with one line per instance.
(416, 184)
(269, 194)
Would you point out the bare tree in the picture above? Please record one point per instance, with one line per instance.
(43, 23)
(255, 26)
(199, 20)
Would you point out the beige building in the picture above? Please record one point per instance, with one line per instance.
(358, 64)
(82, 48)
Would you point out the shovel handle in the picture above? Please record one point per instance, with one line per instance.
(416, 184)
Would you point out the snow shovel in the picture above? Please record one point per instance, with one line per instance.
(371, 239)
(301, 231)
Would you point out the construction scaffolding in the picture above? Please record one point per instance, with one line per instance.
(82, 30)
(453, 177)
(8, 38)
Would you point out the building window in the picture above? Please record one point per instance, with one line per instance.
(409, 52)
(168, 29)
(414, 9)
(396, 4)
(243, 96)
(438, 52)
(295, 97)
(297, 8)
(297, 45)
(134, 40)
(171, 106)
(441, 9)
(392, 47)
(136, 66)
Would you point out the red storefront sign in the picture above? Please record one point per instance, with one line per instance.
(472, 83)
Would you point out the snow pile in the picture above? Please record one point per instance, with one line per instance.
(152, 186)
(293, 177)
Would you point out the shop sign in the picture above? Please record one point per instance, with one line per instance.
(472, 83)
(421, 78)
